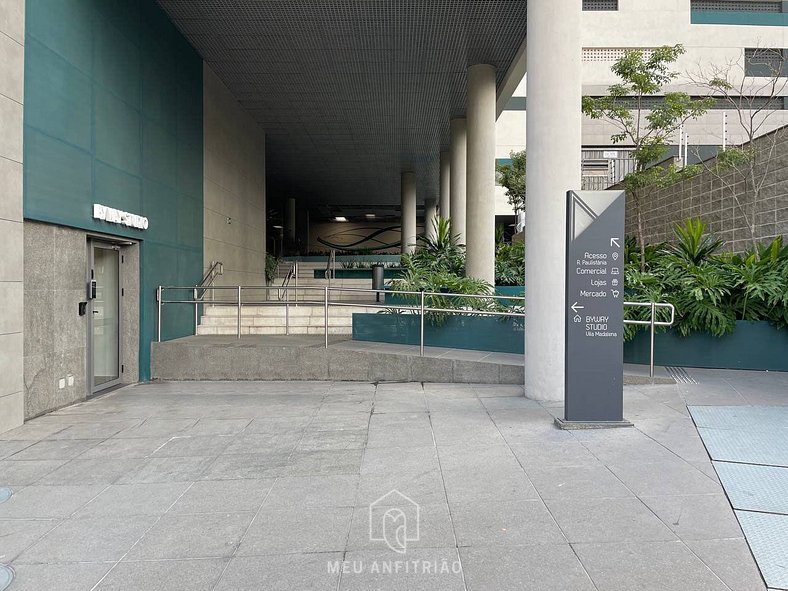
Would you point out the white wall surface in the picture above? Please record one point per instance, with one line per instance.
(234, 186)
(12, 41)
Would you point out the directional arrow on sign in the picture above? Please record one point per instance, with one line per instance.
(575, 307)
(615, 242)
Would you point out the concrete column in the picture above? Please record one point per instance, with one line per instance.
(12, 40)
(480, 205)
(553, 140)
(459, 158)
(408, 244)
(430, 213)
(445, 185)
(291, 219)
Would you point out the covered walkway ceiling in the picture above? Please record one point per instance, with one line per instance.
(352, 92)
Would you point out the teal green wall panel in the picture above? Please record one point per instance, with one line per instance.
(118, 132)
(59, 100)
(59, 175)
(739, 17)
(66, 27)
(113, 115)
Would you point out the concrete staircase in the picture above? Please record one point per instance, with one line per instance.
(304, 319)
(305, 314)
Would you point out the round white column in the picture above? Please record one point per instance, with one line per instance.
(553, 142)
(430, 213)
(480, 204)
(457, 174)
(445, 183)
(408, 194)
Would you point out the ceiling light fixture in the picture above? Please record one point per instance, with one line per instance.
(340, 218)
(369, 216)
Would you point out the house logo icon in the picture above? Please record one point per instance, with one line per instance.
(394, 519)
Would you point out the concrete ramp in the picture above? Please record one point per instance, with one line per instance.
(304, 357)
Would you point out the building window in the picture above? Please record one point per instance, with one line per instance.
(738, 5)
(765, 62)
(600, 4)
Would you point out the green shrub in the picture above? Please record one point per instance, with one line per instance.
(710, 290)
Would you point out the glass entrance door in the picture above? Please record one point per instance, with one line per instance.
(105, 315)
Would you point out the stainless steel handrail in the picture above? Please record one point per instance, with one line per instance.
(422, 309)
(215, 270)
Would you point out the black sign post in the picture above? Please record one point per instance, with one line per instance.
(594, 387)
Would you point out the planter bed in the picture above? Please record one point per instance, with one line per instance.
(752, 345)
(502, 335)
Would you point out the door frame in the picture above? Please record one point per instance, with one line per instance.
(93, 389)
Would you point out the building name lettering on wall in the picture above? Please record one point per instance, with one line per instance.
(116, 216)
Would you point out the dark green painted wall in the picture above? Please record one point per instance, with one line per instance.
(113, 115)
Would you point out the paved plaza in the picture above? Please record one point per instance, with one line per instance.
(355, 486)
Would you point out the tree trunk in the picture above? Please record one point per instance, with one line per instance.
(641, 235)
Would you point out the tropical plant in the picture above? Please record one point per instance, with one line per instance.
(438, 253)
(271, 267)
(710, 290)
(418, 280)
(510, 263)
(693, 245)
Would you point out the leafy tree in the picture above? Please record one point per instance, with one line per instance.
(647, 130)
(512, 178)
(743, 170)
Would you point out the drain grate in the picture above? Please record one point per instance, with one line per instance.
(5, 494)
(681, 375)
(6, 576)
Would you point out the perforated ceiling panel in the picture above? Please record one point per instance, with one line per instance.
(351, 92)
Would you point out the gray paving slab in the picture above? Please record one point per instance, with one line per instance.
(20, 534)
(88, 540)
(223, 496)
(134, 499)
(731, 560)
(657, 566)
(304, 529)
(425, 573)
(664, 478)
(63, 577)
(211, 535)
(283, 572)
(505, 523)
(24, 472)
(561, 482)
(607, 520)
(274, 481)
(166, 575)
(47, 502)
(547, 567)
(696, 517)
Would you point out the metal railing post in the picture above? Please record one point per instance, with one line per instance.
(287, 317)
(239, 311)
(196, 312)
(158, 314)
(325, 313)
(296, 281)
(651, 358)
(421, 327)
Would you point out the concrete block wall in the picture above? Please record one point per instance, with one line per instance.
(234, 186)
(12, 43)
(707, 197)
